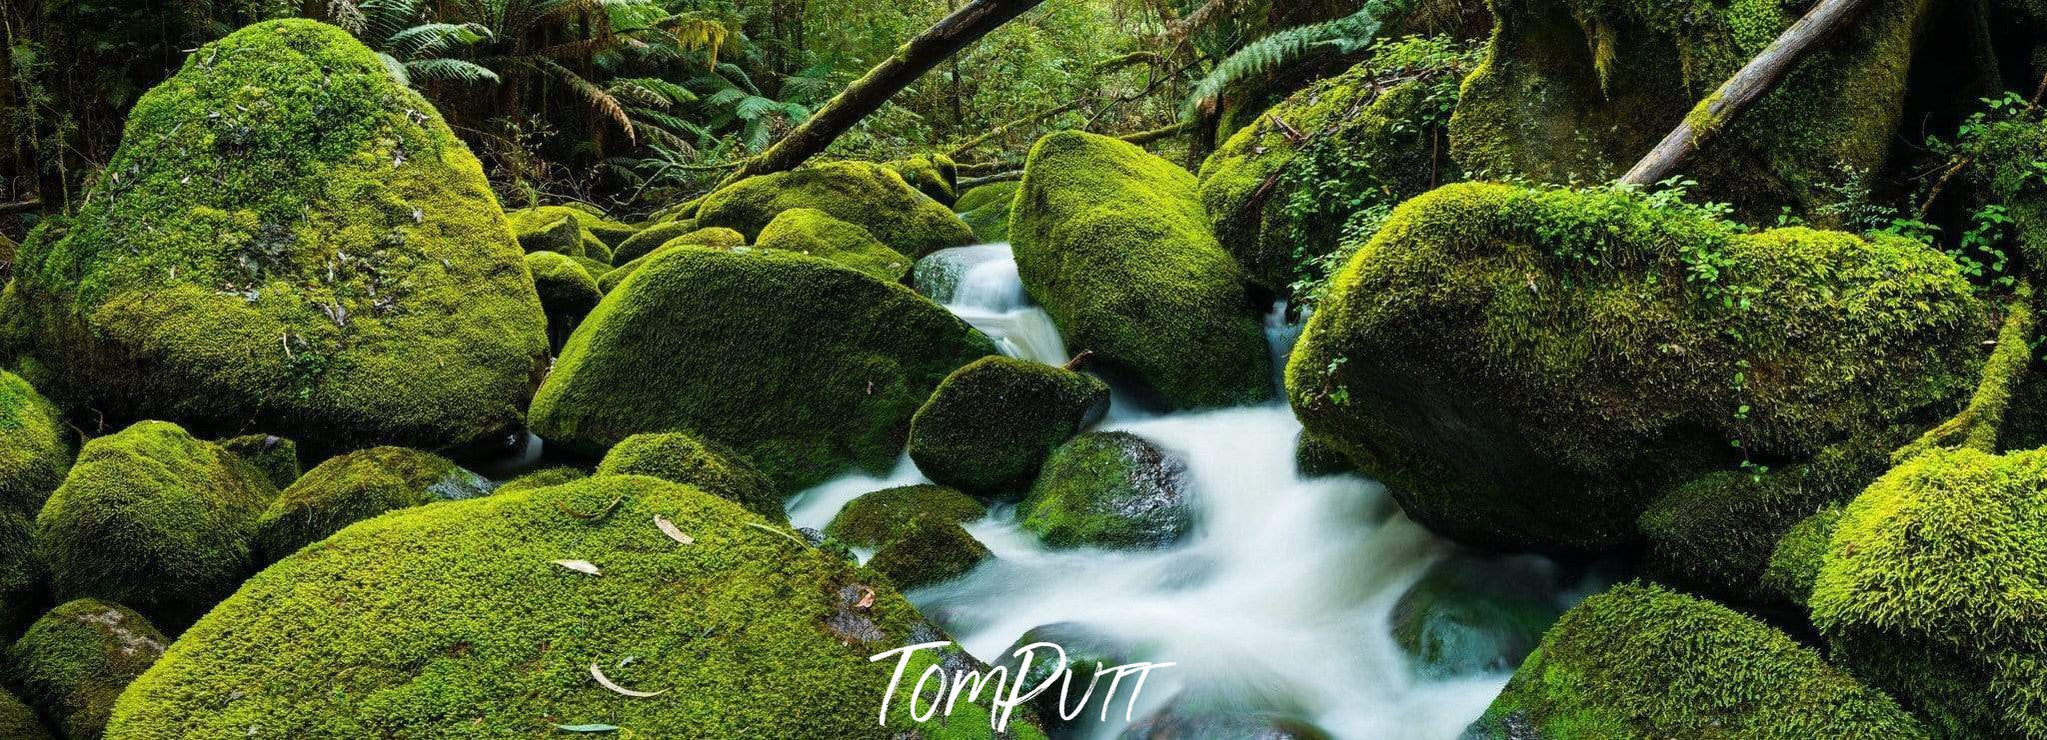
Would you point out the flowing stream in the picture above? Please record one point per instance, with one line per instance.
(1278, 602)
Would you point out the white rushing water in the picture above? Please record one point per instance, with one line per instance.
(1279, 601)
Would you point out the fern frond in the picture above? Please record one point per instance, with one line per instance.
(1262, 57)
(738, 77)
(433, 39)
(450, 70)
(755, 106)
(395, 68)
(726, 98)
(599, 99)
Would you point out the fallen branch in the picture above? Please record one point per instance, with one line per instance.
(1006, 176)
(1757, 78)
(1163, 132)
(20, 206)
(1004, 128)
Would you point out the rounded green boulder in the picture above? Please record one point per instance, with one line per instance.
(715, 237)
(35, 446)
(567, 293)
(680, 458)
(17, 720)
(813, 232)
(932, 549)
(356, 486)
(75, 661)
(862, 193)
(803, 366)
(875, 519)
(1109, 489)
(296, 243)
(462, 618)
(991, 424)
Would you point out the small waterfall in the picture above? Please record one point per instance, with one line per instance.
(980, 285)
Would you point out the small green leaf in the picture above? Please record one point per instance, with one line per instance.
(587, 728)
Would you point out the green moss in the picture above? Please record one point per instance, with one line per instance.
(812, 232)
(801, 365)
(297, 243)
(585, 234)
(1108, 489)
(991, 424)
(986, 209)
(567, 293)
(934, 175)
(2004, 374)
(155, 519)
(640, 244)
(869, 195)
(1934, 586)
(1114, 243)
(2005, 156)
(1315, 458)
(75, 661)
(877, 518)
(542, 479)
(452, 616)
(24, 576)
(1639, 661)
(982, 196)
(681, 458)
(932, 549)
(1598, 347)
(715, 237)
(1795, 565)
(356, 486)
(35, 446)
(595, 268)
(19, 721)
(1576, 90)
(276, 457)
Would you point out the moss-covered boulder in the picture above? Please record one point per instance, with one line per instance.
(1933, 584)
(680, 458)
(457, 615)
(990, 425)
(803, 366)
(932, 549)
(1472, 614)
(1795, 564)
(715, 237)
(863, 193)
(982, 196)
(1639, 661)
(641, 244)
(356, 486)
(297, 243)
(276, 457)
(35, 446)
(24, 576)
(1115, 244)
(567, 293)
(542, 479)
(1109, 489)
(986, 210)
(573, 230)
(1531, 368)
(1314, 458)
(17, 720)
(155, 519)
(875, 519)
(813, 232)
(1577, 90)
(935, 175)
(76, 660)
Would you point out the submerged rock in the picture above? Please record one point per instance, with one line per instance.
(155, 519)
(1115, 244)
(1639, 661)
(356, 486)
(938, 275)
(1931, 585)
(989, 426)
(1187, 720)
(1474, 614)
(1530, 368)
(1085, 649)
(863, 193)
(1109, 489)
(677, 457)
(803, 366)
(812, 232)
(78, 658)
(457, 616)
(874, 519)
(294, 242)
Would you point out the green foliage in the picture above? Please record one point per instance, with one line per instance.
(803, 366)
(1262, 57)
(1932, 584)
(453, 617)
(356, 486)
(1639, 661)
(1116, 245)
(75, 660)
(990, 425)
(1108, 489)
(878, 518)
(680, 458)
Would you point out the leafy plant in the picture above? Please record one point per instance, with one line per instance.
(1345, 35)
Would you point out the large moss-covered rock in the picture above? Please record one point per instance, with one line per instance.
(542, 479)
(1531, 368)
(813, 232)
(932, 549)
(296, 242)
(715, 237)
(1795, 564)
(24, 576)
(155, 519)
(803, 366)
(454, 618)
(76, 660)
(863, 193)
(35, 446)
(1109, 489)
(1934, 586)
(982, 196)
(935, 175)
(567, 293)
(356, 486)
(568, 229)
(1639, 661)
(990, 426)
(874, 519)
(1115, 244)
(1577, 90)
(680, 458)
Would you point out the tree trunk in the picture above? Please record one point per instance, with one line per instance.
(866, 95)
(1755, 80)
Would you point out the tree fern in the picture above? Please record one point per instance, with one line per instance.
(1262, 57)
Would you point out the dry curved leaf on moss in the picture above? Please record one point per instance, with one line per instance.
(580, 566)
(606, 682)
(593, 727)
(669, 528)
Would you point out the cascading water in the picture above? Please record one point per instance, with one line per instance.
(1279, 602)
